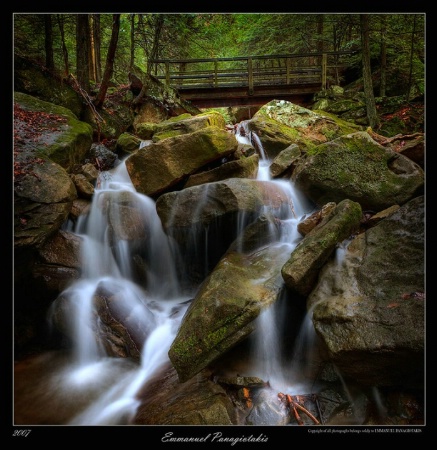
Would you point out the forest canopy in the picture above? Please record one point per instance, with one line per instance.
(82, 44)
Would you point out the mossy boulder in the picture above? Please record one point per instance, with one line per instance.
(222, 313)
(302, 269)
(279, 124)
(356, 167)
(62, 137)
(31, 79)
(160, 166)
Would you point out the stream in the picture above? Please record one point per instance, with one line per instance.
(86, 386)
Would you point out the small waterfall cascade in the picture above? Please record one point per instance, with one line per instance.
(151, 294)
(281, 371)
(106, 258)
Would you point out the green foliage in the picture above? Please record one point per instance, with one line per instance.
(218, 35)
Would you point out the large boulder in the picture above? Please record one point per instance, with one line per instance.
(199, 401)
(284, 163)
(369, 308)
(356, 167)
(45, 129)
(59, 263)
(176, 126)
(279, 124)
(205, 219)
(302, 269)
(42, 201)
(161, 166)
(243, 283)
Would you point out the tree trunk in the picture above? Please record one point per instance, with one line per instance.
(383, 79)
(82, 55)
(156, 37)
(90, 45)
(92, 58)
(97, 47)
(372, 115)
(109, 68)
(50, 63)
(64, 47)
(132, 42)
(413, 33)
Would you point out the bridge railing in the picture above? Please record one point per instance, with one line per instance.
(251, 71)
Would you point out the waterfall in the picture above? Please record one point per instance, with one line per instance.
(106, 259)
(282, 373)
(121, 224)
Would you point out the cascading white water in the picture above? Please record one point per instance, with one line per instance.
(106, 261)
(284, 376)
(118, 405)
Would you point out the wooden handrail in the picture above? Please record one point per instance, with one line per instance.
(243, 58)
(250, 71)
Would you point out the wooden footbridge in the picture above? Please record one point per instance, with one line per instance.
(251, 80)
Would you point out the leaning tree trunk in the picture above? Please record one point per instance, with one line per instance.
(109, 68)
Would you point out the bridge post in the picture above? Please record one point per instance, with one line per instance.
(288, 68)
(167, 73)
(215, 73)
(324, 69)
(250, 75)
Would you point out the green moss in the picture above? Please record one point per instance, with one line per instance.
(177, 118)
(166, 134)
(310, 149)
(344, 177)
(224, 112)
(212, 339)
(345, 126)
(184, 349)
(354, 157)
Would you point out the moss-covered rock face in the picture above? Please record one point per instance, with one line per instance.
(280, 123)
(30, 79)
(127, 143)
(356, 167)
(223, 311)
(154, 169)
(145, 130)
(62, 138)
(182, 124)
(301, 270)
(273, 136)
(369, 308)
